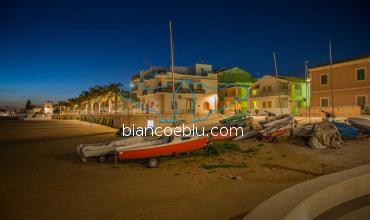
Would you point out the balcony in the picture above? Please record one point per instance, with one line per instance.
(181, 90)
(270, 93)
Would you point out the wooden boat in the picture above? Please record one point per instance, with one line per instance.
(247, 134)
(163, 146)
(271, 120)
(276, 128)
(346, 131)
(238, 120)
(303, 130)
(360, 123)
(101, 150)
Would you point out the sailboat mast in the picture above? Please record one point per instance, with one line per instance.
(173, 76)
(308, 95)
(277, 81)
(331, 79)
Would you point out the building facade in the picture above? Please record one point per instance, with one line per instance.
(287, 95)
(48, 107)
(343, 89)
(195, 90)
(233, 87)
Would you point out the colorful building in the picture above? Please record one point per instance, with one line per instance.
(287, 95)
(343, 87)
(233, 86)
(195, 88)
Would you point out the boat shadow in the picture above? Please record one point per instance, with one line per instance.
(70, 156)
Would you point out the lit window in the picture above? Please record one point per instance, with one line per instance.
(254, 104)
(361, 75)
(324, 102)
(254, 92)
(324, 79)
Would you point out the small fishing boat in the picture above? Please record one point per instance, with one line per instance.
(346, 131)
(164, 146)
(102, 150)
(360, 123)
(271, 120)
(246, 135)
(276, 128)
(238, 120)
(303, 130)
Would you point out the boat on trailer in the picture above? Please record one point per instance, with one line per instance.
(164, 146)
(360, 123)
(102, 150)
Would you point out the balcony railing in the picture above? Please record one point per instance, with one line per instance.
(271, 93)
(182, 90)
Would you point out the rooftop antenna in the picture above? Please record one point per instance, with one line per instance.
(331, 79)
(173, 76)
(277, 81)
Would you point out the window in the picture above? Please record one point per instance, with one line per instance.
(269, 90)
(323, 79)
(324, 102)
(361, 74)
(254, 104)
(264, 91)
(254, 92)
(361, 100)
(298, 89)
(264, 104)
(269, 104)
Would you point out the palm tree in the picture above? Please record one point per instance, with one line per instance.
(125, 97)
(94, 93)
(84, 100)
(113, 90)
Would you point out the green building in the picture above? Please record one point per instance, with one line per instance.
(233, 87)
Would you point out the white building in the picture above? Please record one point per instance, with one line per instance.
(48, 107)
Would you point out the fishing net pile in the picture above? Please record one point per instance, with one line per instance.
(325, 134)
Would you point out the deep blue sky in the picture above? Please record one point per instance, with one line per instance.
(55, 49)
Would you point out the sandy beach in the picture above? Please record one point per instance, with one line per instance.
(42, 178)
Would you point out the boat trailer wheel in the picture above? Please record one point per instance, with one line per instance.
(274, 140)
(152, 163)
(211, 151)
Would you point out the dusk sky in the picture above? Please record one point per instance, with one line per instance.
(55, 49)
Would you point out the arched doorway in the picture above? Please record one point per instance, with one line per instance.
(206, 106)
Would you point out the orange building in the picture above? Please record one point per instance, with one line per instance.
(342, 88)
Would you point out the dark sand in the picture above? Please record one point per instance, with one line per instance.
(42, 178)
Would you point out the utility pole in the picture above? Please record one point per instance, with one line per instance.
(173, 76)
(277, 82)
